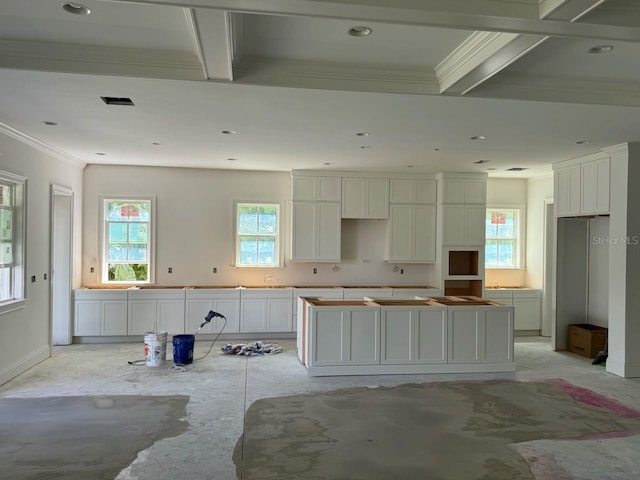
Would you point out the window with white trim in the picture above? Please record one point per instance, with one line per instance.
(503, 246)
(127, 240)
(12, 237)
(257, 235)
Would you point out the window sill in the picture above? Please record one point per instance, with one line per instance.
(502, 269)
(12, 306)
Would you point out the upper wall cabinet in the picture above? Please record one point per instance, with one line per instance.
(464, 190)
(581, 186)
(316, 189)
(365, 198)
(315, 232)
(420, 191)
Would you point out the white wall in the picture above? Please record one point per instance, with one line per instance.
(507, 192)
(24, 334)
(194, 229)
(539, 189)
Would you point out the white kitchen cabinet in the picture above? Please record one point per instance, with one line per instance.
(480, 334)
(595, 179)
(365, 198)
(359, 293)
(100, 312)
(225, 301)
(463, 225)
(316, 188)
(415, 191)
(413, 335)
(416, 292)
(528, 309)
(266, 310)
(345, 336)
(567, 190)
(316, 232)
(159, 309)
(464, 190)
(411, 234)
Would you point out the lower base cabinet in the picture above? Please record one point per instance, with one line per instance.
(266, 310)
(527, 303)
(156, 310)
(480, 334)
(100, 313)
(224, 301)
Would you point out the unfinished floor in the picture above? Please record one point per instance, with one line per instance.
(222, 387)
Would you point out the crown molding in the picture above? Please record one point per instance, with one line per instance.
(335, 76)
(100, 60)
(40, 145)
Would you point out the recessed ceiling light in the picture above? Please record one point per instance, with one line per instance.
(228, 132)
(360, 31)
(50, 123)
(410, 166)
(122, 101)
(516, 169)
(155, 143)
(364, 147)
(328, 164)
(583, 142)
(76, 8)
(478, 137)
(232, 159)
(480, 162)
(492, 168)
(436, 149)
(100, 153)
(363, 134)
(601, 49)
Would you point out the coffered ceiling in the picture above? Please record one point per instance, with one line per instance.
(294, 87)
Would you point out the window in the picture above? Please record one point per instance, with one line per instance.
(503, 238)
(127, 247)
(257, 235)
(12, 237)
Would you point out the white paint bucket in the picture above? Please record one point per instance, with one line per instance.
(155, 348)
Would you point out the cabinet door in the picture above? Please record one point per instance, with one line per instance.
(595, 187)
(476, 191)
(279, 315)
(328, 344)
(567, 183)
(463, 329)
(230, 308)
(396, 335)
(453, 225)
(171, 316)
(196, 310)
(328, 232)
(475, 225)
(425, 191)
(497, 337)
(253, 315)
(453, 191)
(424, 248)
(329, 189)
(377, 199)
(527, 313)
(303, 231)
(430, 338)
(400, 233)
(141, 317)
(401, 190)
(363, 336)
(114, 317)
(87, 318)
(353, 197)
(304, 188)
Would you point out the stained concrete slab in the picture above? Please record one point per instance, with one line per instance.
(437, 431)
(83, 437)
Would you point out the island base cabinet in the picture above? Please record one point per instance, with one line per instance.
(345, 336)
(431, 336)
(482, 334)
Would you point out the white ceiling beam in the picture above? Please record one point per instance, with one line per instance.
(387, 11)
(211, 33)
(485, 54)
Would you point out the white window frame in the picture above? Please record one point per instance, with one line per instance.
(519, 253)
(16, 273)
(278, 236)
(104, 270)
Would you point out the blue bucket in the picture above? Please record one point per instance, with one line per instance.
(183, 349)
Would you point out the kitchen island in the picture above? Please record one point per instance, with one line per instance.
(385, 336)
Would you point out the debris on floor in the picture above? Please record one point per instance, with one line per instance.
(251, 349)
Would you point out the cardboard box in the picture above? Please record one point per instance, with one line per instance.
(587, 340)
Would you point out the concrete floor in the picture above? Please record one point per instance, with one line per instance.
(222, 387)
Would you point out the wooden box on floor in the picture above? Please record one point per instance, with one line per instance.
(587, 340)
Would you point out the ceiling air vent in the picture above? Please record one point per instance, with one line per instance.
(516, 169)
(118, 101)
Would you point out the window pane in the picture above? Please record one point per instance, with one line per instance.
(6, 225)
(507, 229)
(117, 232)
(268, 221)
(491, 253)
(117, 251)
(138, 233)
(247, 220)
(137, 252)
(505, 253)
(5, 195)
(267, 251)
(248, 250)
(491, 227)
(5, 284)
(128, 211)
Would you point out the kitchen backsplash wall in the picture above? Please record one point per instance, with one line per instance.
(194, 230)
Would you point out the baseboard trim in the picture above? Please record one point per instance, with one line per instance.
(623, 369)
(24, 364)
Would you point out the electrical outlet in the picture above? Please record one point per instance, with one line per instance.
(45, 276)
(33, 279)
(402, 271)
(215, 269)
(170, 270)
(92, 270)
(315, 270)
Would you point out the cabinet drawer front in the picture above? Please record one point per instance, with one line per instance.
(267, 293)
(527, 294)
(100, 294)
(203, 293)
